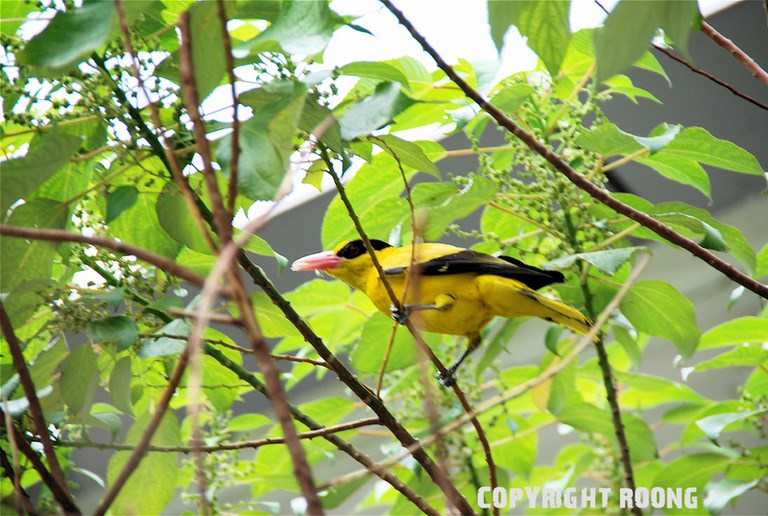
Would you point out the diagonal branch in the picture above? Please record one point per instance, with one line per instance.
(580, 181)
(36, 411)
(752, 67)
(60, 235)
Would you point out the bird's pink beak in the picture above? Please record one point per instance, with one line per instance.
(317, 262)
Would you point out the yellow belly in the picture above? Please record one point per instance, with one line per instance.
(466, 316)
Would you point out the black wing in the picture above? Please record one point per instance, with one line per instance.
(473, 262)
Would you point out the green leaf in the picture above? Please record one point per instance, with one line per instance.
(607, 261)
(712, 426)
(120, 385)
(78, 379)
(171, 340)
(736, 331)
(698, 144)
(70, 36)
(510, 98)
(13, 12)
(266, 140)
(711, 238)
(409, 153)
(547, 27)
(207, 47)
(368, 354)
(374, 192)
(591, 419)
(248, 422)
(119, 200)
(339, 493)
(47, 362)
(495, 343)
(761, 266)
(160, 470)
(721, 492)
(691, 470)
(624, 85)
(139, 226)
(657, 308)
(301, 28)
(677, 168)
(313, 115)
(373, 112)
(745, 355)
(23, 260)
(118, 330)
(608, 140)
(375, 70)
(634, 23)
(649, 62)
(22, 176)
(18, 406)
(643, 392)
(258, 245)
(500, 16)
(176, 219)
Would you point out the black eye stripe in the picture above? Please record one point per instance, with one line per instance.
(356, 248)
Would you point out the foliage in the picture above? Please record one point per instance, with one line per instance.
(81, 153)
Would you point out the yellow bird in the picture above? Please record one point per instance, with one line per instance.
(457, 292)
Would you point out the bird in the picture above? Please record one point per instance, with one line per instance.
(457, 292)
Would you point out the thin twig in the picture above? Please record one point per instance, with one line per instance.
(752, 67)
(238, 445)
(580, 181)
(211, 316)
(60, 235)
(35, 409)
(234, 161)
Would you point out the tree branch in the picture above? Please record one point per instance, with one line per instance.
(239, 445)
(580, 181)
(752, 67)
(60, 235)
(11, 470)
(35, 410)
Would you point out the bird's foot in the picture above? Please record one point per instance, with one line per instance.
(400, 314)
(448, 378)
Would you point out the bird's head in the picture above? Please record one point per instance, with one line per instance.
(349, 261)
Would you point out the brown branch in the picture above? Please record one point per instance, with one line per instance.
(11, 470)
(189, 89)
(35, 409)
(60, 494)
(239, 445)
(752, 67)
(711, 77)
(334, 439)
(234, 161)
(580, 181)
(60, 235)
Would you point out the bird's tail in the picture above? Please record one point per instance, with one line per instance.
(510, 298)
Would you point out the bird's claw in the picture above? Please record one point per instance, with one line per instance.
(399, 314)
(447, 379)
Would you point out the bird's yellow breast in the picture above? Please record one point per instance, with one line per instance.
(466, 316)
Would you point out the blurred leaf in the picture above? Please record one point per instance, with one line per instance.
(300, 28)
(368, 354)
(177, 220)
(207, 47)
(745, 355)
(497, 342)
(248, 422)
(13, 12)
(375, 70)
(634, 23)
(120, 385)
(643, 391)
(339, 493)
(607, 261)
(160, 470)
(712, 426)
(312, 116)
(373, 112)
(761, 265)
(591, 419)
(119, 200)
(78, 379)
(46, 363)
(18, 406)
(720, 492)
(658, 309)
(736, 331)
(139, 226)
(26, 260)
(691, 470)
(118, 330)
(47, 153)
(70, 37)
(165, 344)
